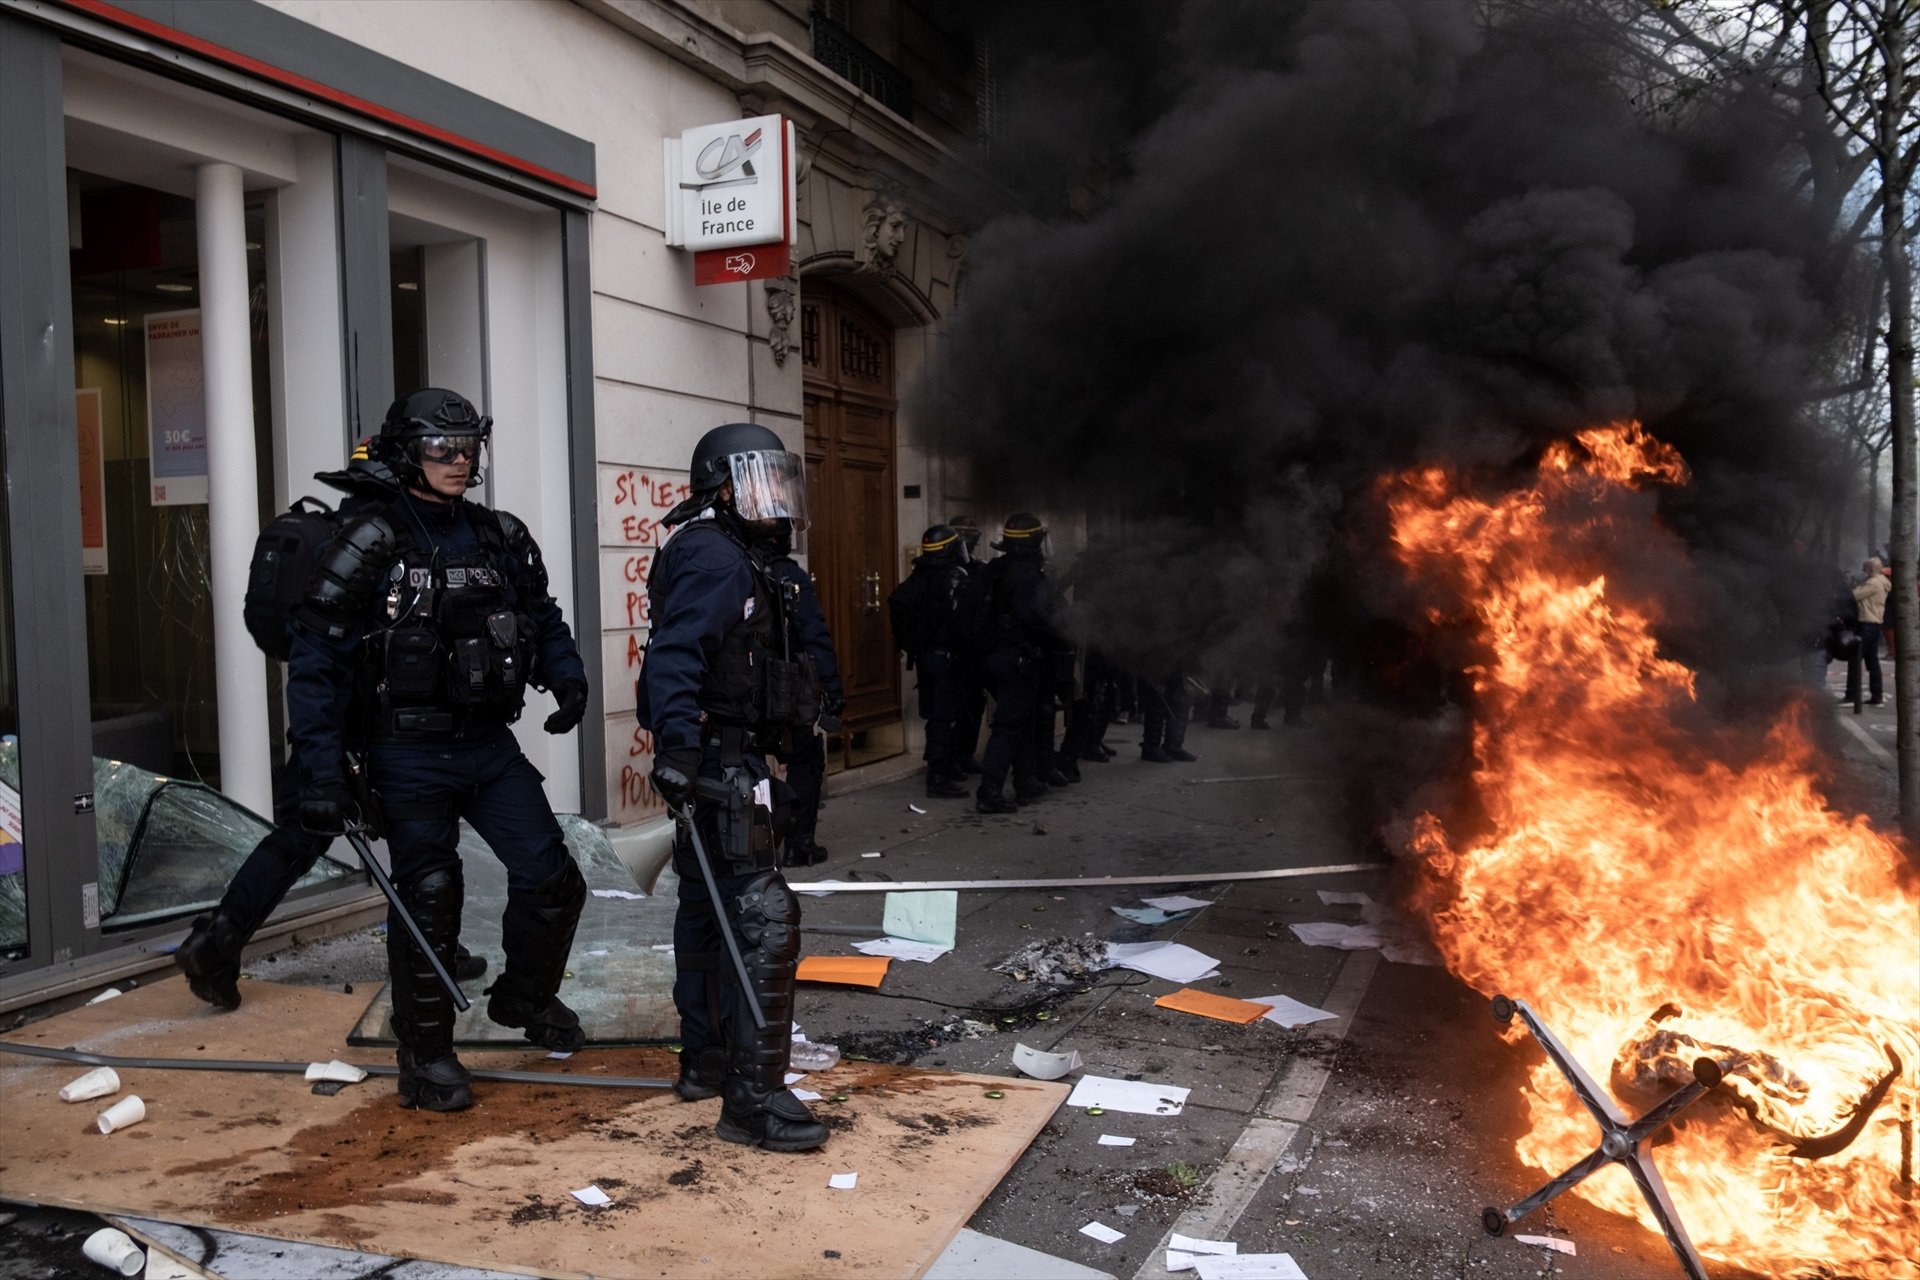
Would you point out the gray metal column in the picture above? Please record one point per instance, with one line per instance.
(583, 447)
(43, 512)
(366, 283)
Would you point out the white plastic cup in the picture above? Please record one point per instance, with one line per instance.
(128, 1111)
(97, 1083)
(115, 1250)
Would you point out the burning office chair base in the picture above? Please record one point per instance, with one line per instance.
(1623, 1141)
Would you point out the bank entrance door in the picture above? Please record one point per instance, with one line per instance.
(847, 353)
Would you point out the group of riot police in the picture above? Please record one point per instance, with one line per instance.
(425, 621)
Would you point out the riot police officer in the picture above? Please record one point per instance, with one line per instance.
(719, 690)
(210, 954)
(426, 621)
(1019, 665)
(923, 615)
(973, 685)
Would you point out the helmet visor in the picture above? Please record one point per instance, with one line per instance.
(769, 485)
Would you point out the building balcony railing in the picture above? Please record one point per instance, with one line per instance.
(835, 49)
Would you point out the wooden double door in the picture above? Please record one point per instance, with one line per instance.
(847, 359)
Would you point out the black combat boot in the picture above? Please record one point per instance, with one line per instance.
(210, 957)
(440, 1085)
(468, 966)
(942, 785)
(548, 1024)
(770, 1118)
(702, 1074)
(993, 800)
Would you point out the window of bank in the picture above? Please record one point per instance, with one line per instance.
(13, 870)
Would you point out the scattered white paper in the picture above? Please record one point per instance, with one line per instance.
(345, 1072)
(902, 949)
(108, 994)
(843, 1181)
(1178, 1261)
(916, 808)
(591, 1195)
(1173, 961)
(1042, 1065)
(1189, 1244)
(598, 953)
(1547, 1242)
(794, 1077)
(1337, 898)
(806, 1095)
(874, 854)
(923, 915)
(1177, 902)
(1288, 1012)
(1248, 1266)
(619, 893)
(1138, 1097)
(1114, 1140)
(1102, 1232)
(558, 1056)
(1392, 939)
(663, 946)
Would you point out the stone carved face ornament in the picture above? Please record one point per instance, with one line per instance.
(782, 297)
(884, 230)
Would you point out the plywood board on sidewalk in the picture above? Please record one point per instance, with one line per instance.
(489, 1187)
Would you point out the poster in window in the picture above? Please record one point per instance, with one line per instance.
(176, 408)
(12, 848)
(93, 481)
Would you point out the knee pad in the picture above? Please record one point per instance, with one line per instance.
(434, 900)
(770, 918)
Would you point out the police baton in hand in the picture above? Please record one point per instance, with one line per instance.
(356, 833)
(684, 814)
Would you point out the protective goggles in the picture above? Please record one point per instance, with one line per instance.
(445, 448)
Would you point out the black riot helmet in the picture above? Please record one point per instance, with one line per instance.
(432, 425)
(969, 533)
(1024, 534)
(941, 545)
(768, 482)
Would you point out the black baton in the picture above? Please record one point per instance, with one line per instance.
(356, 836)
(685, 814)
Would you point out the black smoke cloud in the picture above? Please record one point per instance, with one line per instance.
(1337, 239)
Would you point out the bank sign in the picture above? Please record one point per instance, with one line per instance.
(731, 198)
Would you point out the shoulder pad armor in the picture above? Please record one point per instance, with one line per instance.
(349, 572)
(525, 551)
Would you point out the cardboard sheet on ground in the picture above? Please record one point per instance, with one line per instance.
(1208, 1005)
(846, 971)
(489, 1187)
(929, 915)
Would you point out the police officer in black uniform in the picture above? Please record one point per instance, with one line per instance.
(1019, 666)
(720, 690)
(427, 619)
(210, 955)
(935, 582)
(807, 760)
(973, 685)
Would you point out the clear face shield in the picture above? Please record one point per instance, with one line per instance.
(769, 485)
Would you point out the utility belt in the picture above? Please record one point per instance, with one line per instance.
(419, 724)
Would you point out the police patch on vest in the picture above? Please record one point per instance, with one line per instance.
(474, 576)
(420, 579)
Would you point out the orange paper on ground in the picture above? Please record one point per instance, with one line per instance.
(851, 971)
(1225, 1008)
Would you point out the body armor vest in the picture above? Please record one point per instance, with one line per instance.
(760, 680)
(453, 640)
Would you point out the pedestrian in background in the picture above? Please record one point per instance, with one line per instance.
(1870, 594)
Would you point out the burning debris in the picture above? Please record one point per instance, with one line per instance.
(1063, 962)
(1625, 852)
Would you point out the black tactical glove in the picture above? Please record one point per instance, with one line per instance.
(571, 695)
(326, 804)
(830, 709)
(673, 773)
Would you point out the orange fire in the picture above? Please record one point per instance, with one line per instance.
(1627, 858)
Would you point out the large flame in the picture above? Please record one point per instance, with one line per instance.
(1628, 857)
